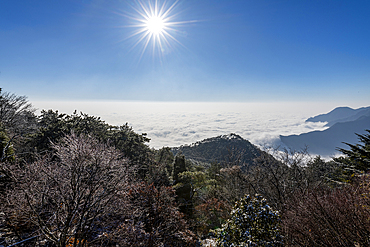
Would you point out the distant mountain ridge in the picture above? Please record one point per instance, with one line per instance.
(220, 149)
(343, 123)
(340, 114)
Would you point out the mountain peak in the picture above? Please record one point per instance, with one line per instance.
(340, 114)
(231, 136)
(220, 149)
(343, 123)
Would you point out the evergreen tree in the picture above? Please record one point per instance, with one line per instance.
(182, 186)
(164, 156)
(357, 158)
(359, 155)
(252, 223)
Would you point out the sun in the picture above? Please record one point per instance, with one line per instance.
(155, 25)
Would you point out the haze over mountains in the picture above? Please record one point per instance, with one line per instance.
(341, 114)
(343, 123)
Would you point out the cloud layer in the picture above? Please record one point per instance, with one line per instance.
(174, 123)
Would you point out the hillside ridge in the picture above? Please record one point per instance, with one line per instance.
(223, 148)
(340, 114)
(327, 142)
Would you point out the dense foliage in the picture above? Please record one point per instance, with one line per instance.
(252, 223)
(86, 192)
(357, 158)
(52, 126)
(223, 149)
(74, 180)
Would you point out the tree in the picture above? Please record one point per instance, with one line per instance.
(6, 155)
(325, 216)
(154, 221)
(70, 198)
(165, 157)
(134, 147)
(357, 158)
(234, 184)
(17, 120)
(16, 113)
(184, 190)
(6, 148)
(278, 175)
(53, 126)
(252, 223)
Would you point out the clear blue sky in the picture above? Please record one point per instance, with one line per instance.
(247, 50)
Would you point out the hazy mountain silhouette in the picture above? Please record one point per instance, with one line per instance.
(224, 148)
(341, 114)
(327, 141)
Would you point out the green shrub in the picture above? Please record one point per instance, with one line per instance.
(252, 223)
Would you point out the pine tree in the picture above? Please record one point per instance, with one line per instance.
(357, 158)
(359, 155)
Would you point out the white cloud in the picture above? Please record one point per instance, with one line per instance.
(174, 124)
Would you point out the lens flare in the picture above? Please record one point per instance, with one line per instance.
(155, 25)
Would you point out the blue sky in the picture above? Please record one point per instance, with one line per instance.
(227, 50)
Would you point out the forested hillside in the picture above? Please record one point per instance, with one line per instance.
(74, 180)
(222, 149)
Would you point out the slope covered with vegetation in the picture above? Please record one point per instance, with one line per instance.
(74, 180)
(223, 149)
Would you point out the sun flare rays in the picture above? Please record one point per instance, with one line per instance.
(155, 26)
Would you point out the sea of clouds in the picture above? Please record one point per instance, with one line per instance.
(178, 123)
